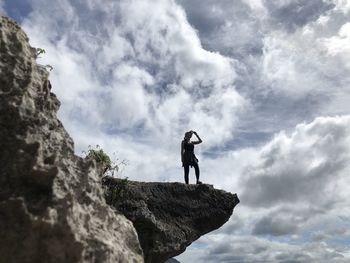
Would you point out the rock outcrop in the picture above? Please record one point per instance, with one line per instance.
(168, 217)
(52, 206)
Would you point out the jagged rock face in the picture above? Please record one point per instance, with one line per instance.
(168, 217)
(52, 206)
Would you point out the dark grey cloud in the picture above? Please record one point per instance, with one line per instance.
(226, 26)
(295, 14)
(233, 226)
(274, 226)
(287, 220)
(205, 16)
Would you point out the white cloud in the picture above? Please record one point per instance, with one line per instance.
(140, 64)
(339, 44)
(304, 167)
(294, 65)
(342, 5)
(333, 232)
(127, 102)
(251, 249)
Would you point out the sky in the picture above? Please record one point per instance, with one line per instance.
(264, 83)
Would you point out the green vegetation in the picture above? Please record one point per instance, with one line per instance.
(49, 67)
(102, 158)
(39, 51)
(115, 190)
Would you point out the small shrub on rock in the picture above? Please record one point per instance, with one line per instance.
(102, 159)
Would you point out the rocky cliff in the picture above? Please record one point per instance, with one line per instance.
(53, 204)
(168, 217)
(52, 207)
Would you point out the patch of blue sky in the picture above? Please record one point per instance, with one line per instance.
(199, 245)
(308, 236)
(340, 240)
(237, 232)
(17, 9)
(286, 239)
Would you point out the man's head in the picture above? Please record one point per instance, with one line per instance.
(188, 135)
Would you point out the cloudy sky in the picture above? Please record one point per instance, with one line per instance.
(265, 83)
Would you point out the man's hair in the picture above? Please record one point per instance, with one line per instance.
(187, 134)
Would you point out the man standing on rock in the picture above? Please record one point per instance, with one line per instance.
(188, 157)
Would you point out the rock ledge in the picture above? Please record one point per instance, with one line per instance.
(168, 217)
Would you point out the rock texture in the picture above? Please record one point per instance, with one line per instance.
(52, 207)
(168, 217)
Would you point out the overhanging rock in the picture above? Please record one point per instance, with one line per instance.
(168, 217)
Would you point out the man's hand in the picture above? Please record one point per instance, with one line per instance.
(199, 139)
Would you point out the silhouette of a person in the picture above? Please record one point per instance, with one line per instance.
(187, 155)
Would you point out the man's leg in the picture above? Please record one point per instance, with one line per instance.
(186, 171)
(196, 168)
